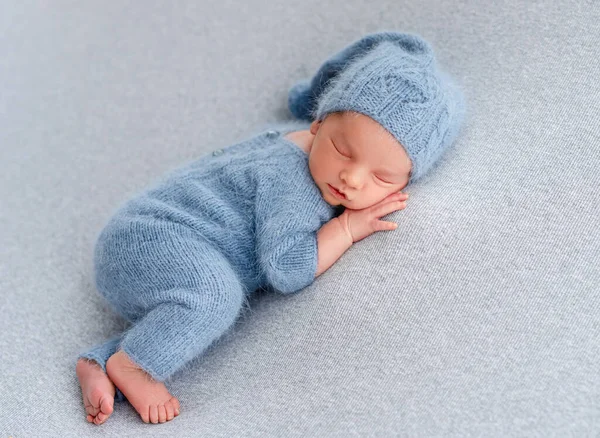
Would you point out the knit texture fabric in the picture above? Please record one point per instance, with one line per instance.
(179, 259)
(394, 79)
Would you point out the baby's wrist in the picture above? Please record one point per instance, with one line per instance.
(344, 224)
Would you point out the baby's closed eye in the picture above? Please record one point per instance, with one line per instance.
(380, 179)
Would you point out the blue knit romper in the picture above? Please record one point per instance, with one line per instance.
(180, 259)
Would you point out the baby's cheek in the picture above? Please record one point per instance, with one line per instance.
(320, 172)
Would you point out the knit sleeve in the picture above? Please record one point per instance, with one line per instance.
(287, 221)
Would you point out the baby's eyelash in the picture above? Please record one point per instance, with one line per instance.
(387, 182)
(338, 151)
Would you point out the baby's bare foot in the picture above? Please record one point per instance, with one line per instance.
(97, 390)
(150, 398)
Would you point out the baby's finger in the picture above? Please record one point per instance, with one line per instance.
(386, 226)
(394, 197)
(390, 207)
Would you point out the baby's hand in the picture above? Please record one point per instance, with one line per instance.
(362, 223)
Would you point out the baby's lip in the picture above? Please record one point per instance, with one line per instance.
(342, 193)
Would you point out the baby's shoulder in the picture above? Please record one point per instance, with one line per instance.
(300, 139)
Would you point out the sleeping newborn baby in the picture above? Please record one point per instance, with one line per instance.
(273, 212)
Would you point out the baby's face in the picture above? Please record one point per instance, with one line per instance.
(357, 156)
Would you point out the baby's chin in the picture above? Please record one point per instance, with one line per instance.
(333, 202)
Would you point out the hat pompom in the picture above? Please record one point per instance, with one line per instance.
(300, 100)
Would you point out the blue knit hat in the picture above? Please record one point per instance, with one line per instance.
(393, 78)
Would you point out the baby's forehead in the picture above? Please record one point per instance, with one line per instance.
(378, 136)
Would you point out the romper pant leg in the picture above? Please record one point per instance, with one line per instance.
(180, 292)
(175, 332)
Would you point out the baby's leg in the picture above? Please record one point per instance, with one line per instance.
(98, 391)
(181, 294)
(168, 337)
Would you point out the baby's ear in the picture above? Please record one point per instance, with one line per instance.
(314, 127)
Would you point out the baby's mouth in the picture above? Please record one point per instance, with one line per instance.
(337, 192)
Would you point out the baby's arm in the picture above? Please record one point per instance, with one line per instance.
(337, 235)
(332, 241)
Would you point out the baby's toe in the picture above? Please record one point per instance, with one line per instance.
(153, 414)
(145, 415)
(175, 403)
(170, 410)
(162, 414)
(91, 410)
(106, 406)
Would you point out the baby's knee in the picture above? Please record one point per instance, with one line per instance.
(218, 300)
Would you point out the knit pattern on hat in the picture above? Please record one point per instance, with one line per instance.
(394, 79)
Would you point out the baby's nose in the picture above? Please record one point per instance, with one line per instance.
(354, 180)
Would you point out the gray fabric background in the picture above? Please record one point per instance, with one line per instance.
(479, 316)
